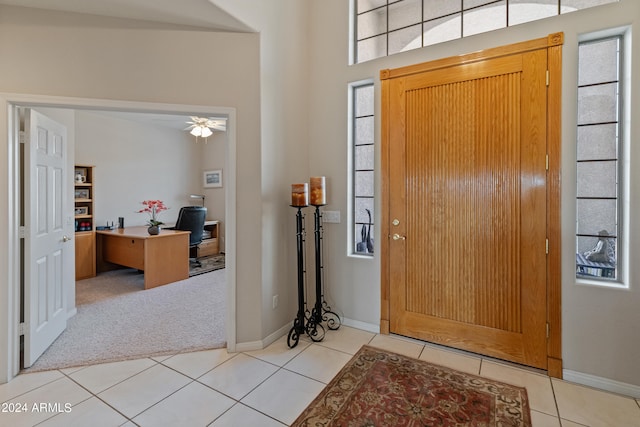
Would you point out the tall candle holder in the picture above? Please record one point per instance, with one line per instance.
(302, 323)
(321, 311)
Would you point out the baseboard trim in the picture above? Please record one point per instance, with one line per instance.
(259, 345)
(369, 327)
(72, 313)
(602, 383)
(269, 339)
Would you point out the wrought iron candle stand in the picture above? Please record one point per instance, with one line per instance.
(304, 322)
(321, 311)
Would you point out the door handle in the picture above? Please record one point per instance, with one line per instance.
(65, 239)
(396, 236)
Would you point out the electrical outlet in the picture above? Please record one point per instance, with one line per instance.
(331, 217)
(275, 301)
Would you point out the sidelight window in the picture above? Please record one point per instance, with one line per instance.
(362, 163)
(600, 178)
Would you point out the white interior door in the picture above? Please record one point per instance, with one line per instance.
(45, 197)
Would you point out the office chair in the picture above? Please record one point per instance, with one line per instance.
(191, 218)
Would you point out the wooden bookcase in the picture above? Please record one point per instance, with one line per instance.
(84, 222)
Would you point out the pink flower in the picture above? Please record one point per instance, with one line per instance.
(153, 207)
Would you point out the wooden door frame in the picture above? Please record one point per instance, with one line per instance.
(553, 44)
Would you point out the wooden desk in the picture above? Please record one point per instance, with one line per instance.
(163, 258)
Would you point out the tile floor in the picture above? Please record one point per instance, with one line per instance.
(266, 388)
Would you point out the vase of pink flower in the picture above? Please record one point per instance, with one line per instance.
(153, 208)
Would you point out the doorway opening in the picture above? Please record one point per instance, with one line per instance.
(10, 332)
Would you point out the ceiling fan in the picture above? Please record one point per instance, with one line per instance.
(203, 126)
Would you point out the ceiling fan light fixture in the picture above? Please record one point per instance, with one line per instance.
(203, 127)
(196, 131)
(206, 132)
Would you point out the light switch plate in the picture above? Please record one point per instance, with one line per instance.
(331, 217)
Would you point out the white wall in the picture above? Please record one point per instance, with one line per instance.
(600, 326)
(90, 57)
(135, 162)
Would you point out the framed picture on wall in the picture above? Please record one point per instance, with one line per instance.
(212, 178)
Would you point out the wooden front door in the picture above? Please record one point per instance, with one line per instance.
(466, 193)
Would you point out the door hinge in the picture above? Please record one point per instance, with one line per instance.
(546, 248)
(22, 232)
(548, 330)
(22, 329)
(22, 137)
(547, 162)
(547, 77)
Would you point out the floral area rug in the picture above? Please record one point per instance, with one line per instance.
(207, 264)
(378, 388)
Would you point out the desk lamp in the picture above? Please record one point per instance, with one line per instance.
(198, 196)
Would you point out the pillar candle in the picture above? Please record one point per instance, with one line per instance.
(300, 194)
(318, 191)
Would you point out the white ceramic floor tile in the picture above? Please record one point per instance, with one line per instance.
(92, 412)
(98, 378)
(241, 415)
(318, 362)
(540, 419)
(198, 363)
(162, 358)
(56, 397)
(138, 393)
(397, 345)
(567, 423)
(346, 339)
(538, 386)
(69, 371)
(193, 405)
(284, 395)
(595, 408)
(451, 359)
(24, 383)
(279, 352)
(238, 376)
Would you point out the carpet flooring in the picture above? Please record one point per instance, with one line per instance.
(379, 388)
(118, 319)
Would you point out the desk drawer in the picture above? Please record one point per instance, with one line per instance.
(124, 251)
(208, 247)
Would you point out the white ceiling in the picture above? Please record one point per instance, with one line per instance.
(196, 13)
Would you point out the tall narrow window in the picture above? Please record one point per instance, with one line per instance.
(599, 174)
(362, 166)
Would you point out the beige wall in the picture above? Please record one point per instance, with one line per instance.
(292, 123)
(68, 55)
(600, 326)
(284, 92)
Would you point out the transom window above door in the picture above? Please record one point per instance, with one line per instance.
(385, 27)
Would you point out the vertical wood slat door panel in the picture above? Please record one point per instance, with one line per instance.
(468, 188)
(464, 196)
